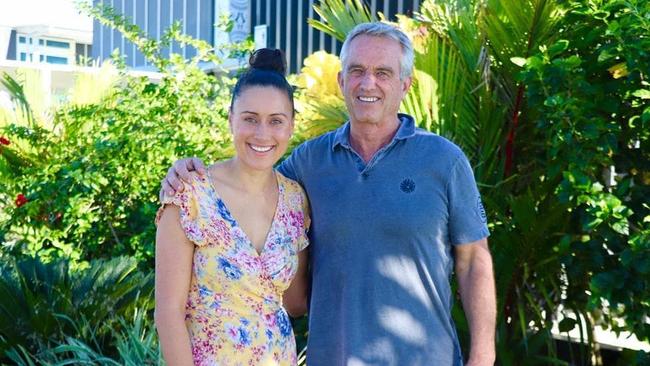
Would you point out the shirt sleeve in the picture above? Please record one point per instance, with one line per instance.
(289, 168)
(467, 217)
(188, 202)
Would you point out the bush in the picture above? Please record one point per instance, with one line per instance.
(41, 304)
(588, 98)
(134, 342)
(89, 185)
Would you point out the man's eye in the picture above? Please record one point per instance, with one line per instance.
(250, 120)
(276, 121)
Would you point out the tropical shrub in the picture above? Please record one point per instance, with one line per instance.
(319, 102)
(133, 343)
(42, 304)
(88, 187)
(592, 116)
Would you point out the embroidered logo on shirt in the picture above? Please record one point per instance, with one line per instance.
(481, 210)
(407, 185)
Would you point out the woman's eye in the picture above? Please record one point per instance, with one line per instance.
(276, 121)
(250, 120)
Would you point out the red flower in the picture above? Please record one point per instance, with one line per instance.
(4, 141)
(20, 200)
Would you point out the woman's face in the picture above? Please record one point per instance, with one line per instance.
(261, 121)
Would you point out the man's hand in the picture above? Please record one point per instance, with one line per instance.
(179, 173)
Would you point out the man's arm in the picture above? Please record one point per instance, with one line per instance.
(477, 292)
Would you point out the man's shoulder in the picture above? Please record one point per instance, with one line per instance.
(317, 144)
(434, 143)
(304, 157)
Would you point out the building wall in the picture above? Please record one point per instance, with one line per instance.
(36, 47)
(285, 21)
(83, 54)
(154, 17)
(11, 50)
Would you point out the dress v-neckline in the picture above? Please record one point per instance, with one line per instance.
(234, 222)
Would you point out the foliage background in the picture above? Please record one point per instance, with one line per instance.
(549, 99)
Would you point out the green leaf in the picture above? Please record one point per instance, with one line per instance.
(519, 61)
(558, 47)
(567, 324)
(642, 93)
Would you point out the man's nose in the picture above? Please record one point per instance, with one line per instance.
(367, 81)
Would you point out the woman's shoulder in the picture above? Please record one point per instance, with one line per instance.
(194, 190)
(289, 184)
(197, 183)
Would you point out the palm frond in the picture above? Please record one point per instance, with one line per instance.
(17, 95)
(517, 28)
(338, 17)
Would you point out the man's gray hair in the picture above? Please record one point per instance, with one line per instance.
(379, 29)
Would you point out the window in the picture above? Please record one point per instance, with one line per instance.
(41, 42)
(30, 40)
(41, 58)
(56, 60)
(58, 44)
(21, 39)
(23, 56)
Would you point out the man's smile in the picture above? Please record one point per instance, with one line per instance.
(368, 99)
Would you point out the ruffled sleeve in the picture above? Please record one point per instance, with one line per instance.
(295, 212)
(303, 239)
(189, 202)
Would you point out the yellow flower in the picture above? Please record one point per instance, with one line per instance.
(318, 76)
(619, 70)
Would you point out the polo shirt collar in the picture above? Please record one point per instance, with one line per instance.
(406, 129)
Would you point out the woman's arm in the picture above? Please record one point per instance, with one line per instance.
(295, 297)
(174, 253)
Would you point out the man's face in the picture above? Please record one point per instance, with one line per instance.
(370, 80)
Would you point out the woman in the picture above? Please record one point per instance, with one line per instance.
(230, 246)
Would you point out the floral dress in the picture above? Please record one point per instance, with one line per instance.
(234, 310)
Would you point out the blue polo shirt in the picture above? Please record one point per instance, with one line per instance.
(382, 238)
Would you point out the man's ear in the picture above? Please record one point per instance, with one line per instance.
(339, 79)
(406, 85)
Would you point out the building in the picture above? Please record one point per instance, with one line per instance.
(277, 24)
(47, 44)
(44, 32)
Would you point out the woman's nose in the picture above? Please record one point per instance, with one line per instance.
(261, 130)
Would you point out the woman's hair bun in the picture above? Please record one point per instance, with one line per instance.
(268, 59)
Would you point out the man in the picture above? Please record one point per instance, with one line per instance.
(394, 210)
